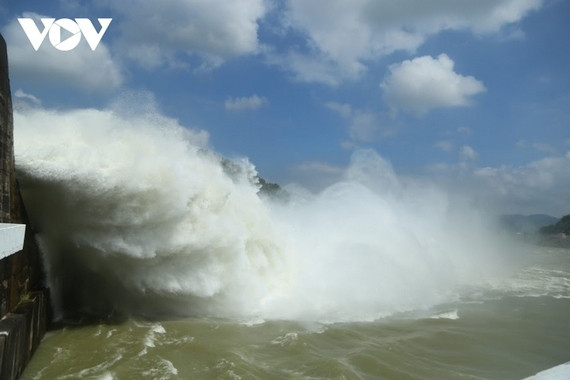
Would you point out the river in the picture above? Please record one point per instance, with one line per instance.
(506, 329)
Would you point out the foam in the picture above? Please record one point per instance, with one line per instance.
(137, 216)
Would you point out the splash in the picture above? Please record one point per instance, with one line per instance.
(137, 217)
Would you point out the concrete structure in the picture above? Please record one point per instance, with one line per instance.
(23, 299)
(11, 238)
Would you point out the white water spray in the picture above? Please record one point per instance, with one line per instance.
(136, 217)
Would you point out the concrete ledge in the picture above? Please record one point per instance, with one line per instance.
(11, 238)
(20, 334)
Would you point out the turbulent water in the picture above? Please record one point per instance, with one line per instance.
(511, 329)
(376, 276)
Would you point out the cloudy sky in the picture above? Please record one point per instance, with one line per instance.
(474, 95)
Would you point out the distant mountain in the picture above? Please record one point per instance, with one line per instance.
(526, 224)
(562, 226)
(557, 234)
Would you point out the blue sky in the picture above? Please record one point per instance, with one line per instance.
(474, 95)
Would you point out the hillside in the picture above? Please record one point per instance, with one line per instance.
(560, 227)
(526, 224)
(557, 234)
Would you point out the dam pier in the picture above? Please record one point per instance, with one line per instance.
(24, 303)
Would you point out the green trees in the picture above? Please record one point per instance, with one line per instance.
(272, 190)
(562, 226)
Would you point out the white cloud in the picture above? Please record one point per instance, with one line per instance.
(307, 68)
(543, 184)
(444, 145)
(246, 103)
(343, 109)
(538, 146)
(316, 175)
(29, 98)
(73, 6)
(316, 166)
(467, 153)
(424, 83)
(51, 66)
(343, 36)
(537, 187)
(544, 147)
(155, 33)
(363, 126)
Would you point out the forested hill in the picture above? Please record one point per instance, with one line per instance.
(557, 234)
(560, 227)
(526, 224)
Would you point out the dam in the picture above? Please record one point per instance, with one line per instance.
(24, 303)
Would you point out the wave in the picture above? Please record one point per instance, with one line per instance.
(137, 216)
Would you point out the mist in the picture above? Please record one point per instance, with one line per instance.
(137, 216)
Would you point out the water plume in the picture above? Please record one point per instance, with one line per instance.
(138, 217)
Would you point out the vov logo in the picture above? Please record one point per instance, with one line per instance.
(53, 27)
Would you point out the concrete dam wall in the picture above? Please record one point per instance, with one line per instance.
(23, 298)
